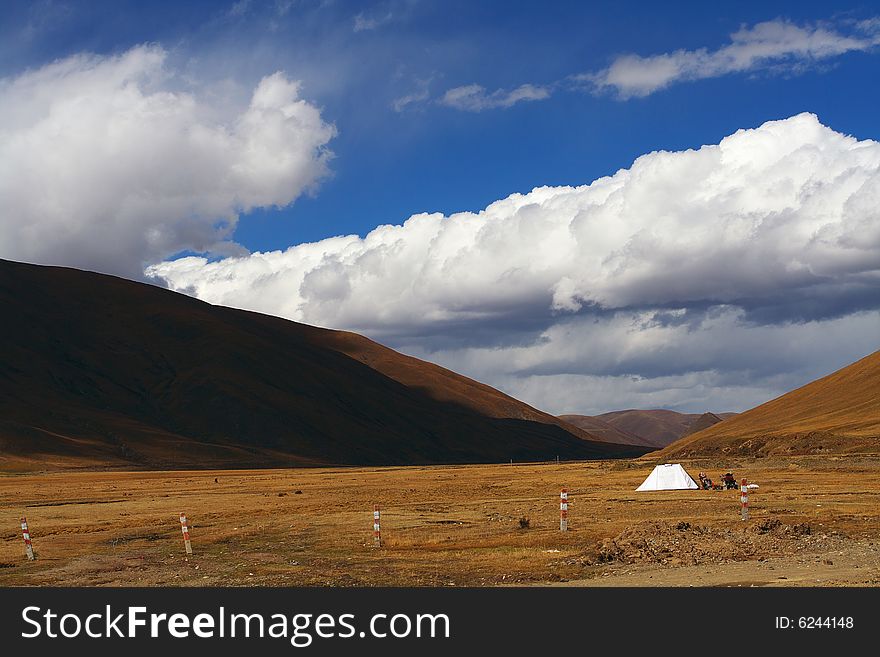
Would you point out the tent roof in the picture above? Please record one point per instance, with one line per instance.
(669, 476)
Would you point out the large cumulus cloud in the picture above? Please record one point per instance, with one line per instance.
(774, 217)
(671, 268)
(113, 163)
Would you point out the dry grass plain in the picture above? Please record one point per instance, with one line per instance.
(815, 521)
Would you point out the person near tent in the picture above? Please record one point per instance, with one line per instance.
(705, 482)
(729, 481)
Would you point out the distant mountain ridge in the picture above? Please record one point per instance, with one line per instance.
(704, 421)
(655, 428)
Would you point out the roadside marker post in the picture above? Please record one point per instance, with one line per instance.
(563, 510)
(744, 499)
(184, 527)
(377, 534)
(28, 546)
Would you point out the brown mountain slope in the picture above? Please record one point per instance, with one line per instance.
(437, 382)
(704, 421)
(604, 431)
(658, 427)
(653, 428)
(839, 413)
(96, 370)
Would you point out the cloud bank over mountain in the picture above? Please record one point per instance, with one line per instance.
(652, 283)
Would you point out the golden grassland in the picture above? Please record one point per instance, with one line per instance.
(814, 521)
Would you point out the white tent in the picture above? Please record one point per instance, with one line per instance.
(669, 476)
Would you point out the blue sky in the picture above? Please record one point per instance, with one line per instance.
(389, 165)
(216, 130)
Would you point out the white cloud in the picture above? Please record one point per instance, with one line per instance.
(666, 272)
(777, 210)
(418, 96)
(777, 46)
(282, 7)
(776, 43)
(414, 98)
(474, 98)
(363, 23)
(238, 9)
(106, 163)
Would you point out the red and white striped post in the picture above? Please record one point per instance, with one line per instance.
(184, 527)
(563, 510)
(377, 534)
(744, 498)
(28, 546)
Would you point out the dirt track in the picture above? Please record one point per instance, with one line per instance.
(815, 521)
